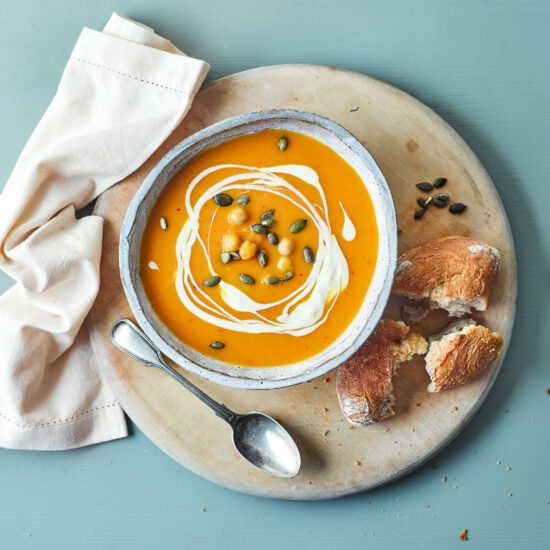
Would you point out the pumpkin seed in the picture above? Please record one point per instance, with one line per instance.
(428, 201)
(268, 214)
(439, 203)
(243, 199)
(441, 196)
(163, 224)
(298, 225)
(419, 213)
(246, 279)
(421, 202)
(282, 144)
(439, 182)
(288, 276)
(234, 256)
(259, 228)
(309, 257)
(270, 222)
(457, 208)
(272, 238)
(262, 258)
(223, 199)
(213, 281)
(272, 280)
(217, 345)
(425, 186)
(225, 257)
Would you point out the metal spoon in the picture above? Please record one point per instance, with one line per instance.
(258, 438)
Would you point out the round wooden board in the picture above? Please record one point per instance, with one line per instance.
(411, 144)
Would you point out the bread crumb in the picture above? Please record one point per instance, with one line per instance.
(325, 409)
(203, 509)
(310, 483)
(464, 535)
(508, 468)
(325, 433)
(350, 427)
(444, 479)
(455, 408)
(419, 404)
(433, 467)
(327, 379)
(357, 462)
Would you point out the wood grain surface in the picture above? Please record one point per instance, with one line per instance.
(411, 144)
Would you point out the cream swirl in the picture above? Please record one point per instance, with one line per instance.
(304, 309)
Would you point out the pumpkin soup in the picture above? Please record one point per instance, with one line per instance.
(261, 250)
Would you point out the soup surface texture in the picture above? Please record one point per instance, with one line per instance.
(261, 250)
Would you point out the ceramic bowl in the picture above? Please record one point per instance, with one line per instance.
(351, 150)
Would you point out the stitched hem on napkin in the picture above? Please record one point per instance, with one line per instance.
(95, 425)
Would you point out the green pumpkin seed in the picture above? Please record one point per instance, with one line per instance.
(268, 214)
(298, 225)
(217, 345)
(288, 276)
(246, 279)
(439, 203)
(282, 144)
(425, 186)
(163, 224)
(262, 258)
(223, 199)
(421, 202)
(272, 280)
(243, 199)
(439, 182)
(272, 238)
(457, 208)
(225, 257)
(270, 222)
(419, 213)
(259, 228)
(309, 257)
(213, 281)
(441, 196)
(234, 256)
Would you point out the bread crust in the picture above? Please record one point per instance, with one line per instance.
(364, 382)
(458, 357)
(454, 273)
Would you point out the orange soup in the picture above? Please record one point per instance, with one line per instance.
(261, 250)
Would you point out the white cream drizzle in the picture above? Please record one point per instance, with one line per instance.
(304, 309)
(348, 231)
(153, 265)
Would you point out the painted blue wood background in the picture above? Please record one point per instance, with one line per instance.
(485, 68)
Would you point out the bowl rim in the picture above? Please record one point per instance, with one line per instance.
(127, 234)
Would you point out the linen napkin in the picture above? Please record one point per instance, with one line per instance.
(122, 93)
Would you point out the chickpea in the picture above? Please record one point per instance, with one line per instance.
(286, 246)
(237, 215)
(284, 263)
(231, 242)
(248, 250)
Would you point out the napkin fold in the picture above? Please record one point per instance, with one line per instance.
(122, 93)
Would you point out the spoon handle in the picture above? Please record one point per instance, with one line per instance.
(131, 340)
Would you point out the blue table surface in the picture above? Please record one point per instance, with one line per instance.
(485, 68)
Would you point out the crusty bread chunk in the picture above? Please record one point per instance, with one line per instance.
(459, 353)
(453, 273)
(364, 381)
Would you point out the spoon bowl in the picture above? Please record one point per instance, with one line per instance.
(266, 444)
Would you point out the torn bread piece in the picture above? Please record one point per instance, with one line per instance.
(364, 381)
(454, 273)
(459, 353)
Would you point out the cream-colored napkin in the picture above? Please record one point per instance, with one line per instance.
(122, 93)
